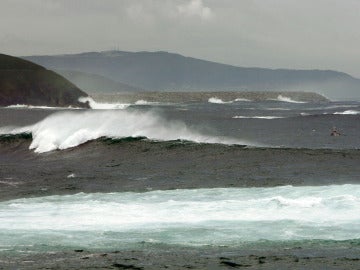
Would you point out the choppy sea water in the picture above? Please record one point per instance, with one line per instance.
(187, 217)
(221, 216)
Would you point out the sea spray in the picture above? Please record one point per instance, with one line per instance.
(348, 112)
(63, 130)
(222, 216)
(287, 99)
(103, 106)
(266, 117)
(216, 100)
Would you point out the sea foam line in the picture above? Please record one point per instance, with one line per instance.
(348, 112)
(103, 106)
(287, 99)
(198, 216)
(216, 100)
(266, 117)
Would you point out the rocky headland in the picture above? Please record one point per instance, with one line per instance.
(23, 82)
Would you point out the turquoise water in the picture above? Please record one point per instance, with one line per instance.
(199, 217)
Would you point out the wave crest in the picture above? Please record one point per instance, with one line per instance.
(103, 106)
(348, 112)
(63, 130)
(287, 99)
(216, 100)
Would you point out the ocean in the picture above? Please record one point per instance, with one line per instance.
(189, 174)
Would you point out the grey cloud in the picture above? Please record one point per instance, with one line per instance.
(273, 33)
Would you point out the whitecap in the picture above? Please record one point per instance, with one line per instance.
(348, 112)
(103, 106)
(242, 99)
(24, 106)
(216, 100)
(63, 130)
(287, 99)
(266, 117)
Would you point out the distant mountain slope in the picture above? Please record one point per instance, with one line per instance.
(23, 82)
(96, 84)
(162, 71)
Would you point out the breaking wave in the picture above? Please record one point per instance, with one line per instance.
(63, 130)
(287, 99)
(216, 100)
(24, 106)
(348, 112)
(145, 102)
(220, 216)
(257, 117)
(242, 99)
(103, 106)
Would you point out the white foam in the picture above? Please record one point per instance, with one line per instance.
(340, 106)
(242, 99)
(200, 216)
(216, 100)
(277, 109)
(145, 102)
(287, 99)
(63, 130)
(266, 117)
(348, 112)
(23, 106)
(103, 106)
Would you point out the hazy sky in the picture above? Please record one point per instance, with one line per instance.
(319, 34)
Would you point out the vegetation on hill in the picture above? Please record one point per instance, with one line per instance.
(23, 82)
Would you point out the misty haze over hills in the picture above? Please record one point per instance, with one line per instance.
(94, 83)
(162, 71)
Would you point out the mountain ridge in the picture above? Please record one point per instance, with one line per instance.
(163, 71)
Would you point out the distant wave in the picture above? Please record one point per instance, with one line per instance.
(349, 112)
(23, 106)
(257, 117)
(103, 106)
(340, 106)
(277, 109)
(242, 99)
(63, 130)
(218, 101)
(287, 99)
(145, 102)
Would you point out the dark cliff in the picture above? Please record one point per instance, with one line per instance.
(23, 82)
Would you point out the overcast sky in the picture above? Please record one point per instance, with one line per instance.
(305, 34)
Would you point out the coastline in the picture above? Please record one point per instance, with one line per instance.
(338, 255)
